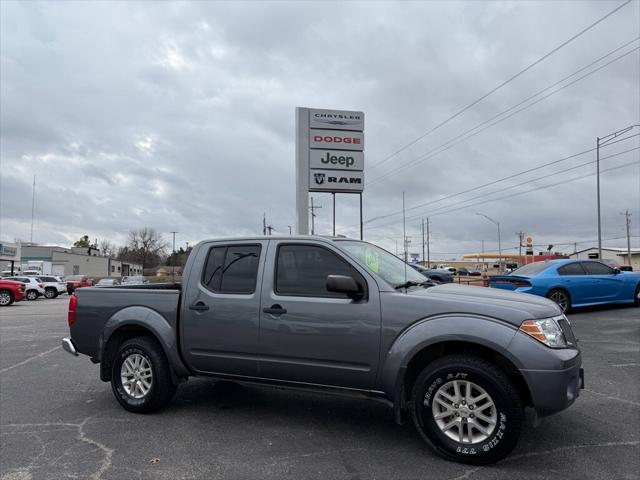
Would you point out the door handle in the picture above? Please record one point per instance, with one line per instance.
(199, 307)
(275, 310)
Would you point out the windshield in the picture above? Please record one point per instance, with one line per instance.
(381, 262)
(531, 269)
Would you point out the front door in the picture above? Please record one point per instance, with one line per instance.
(605, 283)
(309, 334)
(220, 308)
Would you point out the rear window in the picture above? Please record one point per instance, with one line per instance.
(531, 269)
(232, 269)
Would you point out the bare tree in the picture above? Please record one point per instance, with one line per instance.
(146, 246)
(107, 248)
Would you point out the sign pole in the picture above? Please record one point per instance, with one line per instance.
(361, 224)
(302, 171)
(333, 194)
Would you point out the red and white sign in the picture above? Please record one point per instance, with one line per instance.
(336, 140)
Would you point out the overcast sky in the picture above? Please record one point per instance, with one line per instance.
(180, 116)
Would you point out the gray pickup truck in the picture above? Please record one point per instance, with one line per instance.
(342, 316)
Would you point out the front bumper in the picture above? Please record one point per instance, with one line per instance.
(554, 390)
(69, 347)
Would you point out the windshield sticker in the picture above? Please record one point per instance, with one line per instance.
(371, 259)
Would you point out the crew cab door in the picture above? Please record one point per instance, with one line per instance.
(311, 335)
(221, 308)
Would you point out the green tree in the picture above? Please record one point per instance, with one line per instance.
(83, 242)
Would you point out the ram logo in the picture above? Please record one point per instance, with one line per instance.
(319, 178)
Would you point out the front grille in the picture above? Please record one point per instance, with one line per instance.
(567, 330)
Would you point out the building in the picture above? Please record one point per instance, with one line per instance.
(613, 254)
(9, 257)
(79, 261)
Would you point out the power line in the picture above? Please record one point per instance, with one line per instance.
(515, 194)
(494, 182)
(466, 135)
(495, 89)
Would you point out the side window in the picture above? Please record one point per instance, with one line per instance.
(232, 269)
(597, 268)
(571, 269)
(302, 270)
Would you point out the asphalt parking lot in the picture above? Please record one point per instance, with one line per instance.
(58, 420)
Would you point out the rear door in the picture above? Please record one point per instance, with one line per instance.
(574, 278)
(220, 308)
(309, 334)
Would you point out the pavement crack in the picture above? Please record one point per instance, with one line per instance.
(35, 357)
(610, 397)
(108, 452)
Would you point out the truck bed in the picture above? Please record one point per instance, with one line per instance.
(97, 306)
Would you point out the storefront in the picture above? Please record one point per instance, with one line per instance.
(9, 258)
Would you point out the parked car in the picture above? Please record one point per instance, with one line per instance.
(438, 276)
(343, 316)
(464, 272)
(11, 291)
(134, 280)
(572, 283)
(53, 286)
(34, 288)
(107, 282)
(75, 282)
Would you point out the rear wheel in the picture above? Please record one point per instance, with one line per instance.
(50, 293)
(637, 295)
(140, 377)
(32, 294)
(6, 298)
(562, 298)
(467, 409)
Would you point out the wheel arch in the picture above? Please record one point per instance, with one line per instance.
(127, 324)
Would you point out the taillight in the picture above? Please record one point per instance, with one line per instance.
(73, 304)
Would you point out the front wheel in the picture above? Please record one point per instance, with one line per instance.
(562, 298)
(6, 298)
(32, 295)
(140, 376)
(50, 293)
(467, 409)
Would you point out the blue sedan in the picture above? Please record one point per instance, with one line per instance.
(572, 283)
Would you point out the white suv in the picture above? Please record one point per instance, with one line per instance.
(53, 286)
(33, 286)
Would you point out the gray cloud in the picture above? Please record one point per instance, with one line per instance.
(180, 116)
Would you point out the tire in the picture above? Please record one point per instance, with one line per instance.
(142, 352)
(562, 298)
(50, 293)
(32, 294)
(6, 298)
(506, 414)
(637, 296)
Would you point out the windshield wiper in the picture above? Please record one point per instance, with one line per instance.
(411, 283)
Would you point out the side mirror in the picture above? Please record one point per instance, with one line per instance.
(343, 284)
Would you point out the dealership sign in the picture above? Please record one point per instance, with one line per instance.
(329, 156)
(336, 160)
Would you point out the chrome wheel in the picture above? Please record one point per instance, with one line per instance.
(32, 295)
(136, 375)
(561, 298)
(464, 412)
(49, 293)
(5, 298)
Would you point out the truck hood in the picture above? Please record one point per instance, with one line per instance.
(511, 307)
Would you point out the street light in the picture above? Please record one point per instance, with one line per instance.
(600, 141)
(499, 240)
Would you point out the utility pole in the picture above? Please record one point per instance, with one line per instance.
(428, 242)
(601, 141)
(264, 223)
(423, 257)
(627, 219)
(173, 266)
(404, 235)
(499, 239)
(520, 237)
(33, 207)
(313, 209)
(269, 228)
(289, 229)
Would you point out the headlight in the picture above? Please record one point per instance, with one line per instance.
(546, 331)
